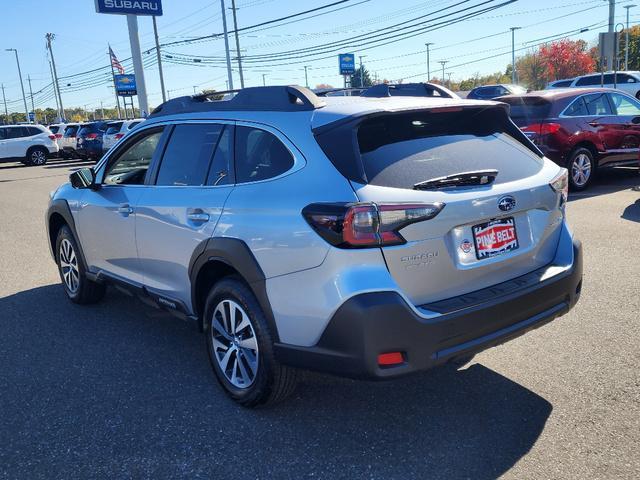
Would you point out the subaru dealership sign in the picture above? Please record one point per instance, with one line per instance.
(130, 7)
(347, 63)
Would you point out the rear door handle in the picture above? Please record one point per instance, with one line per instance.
(197, 215)
(125, 209)
(594, 124)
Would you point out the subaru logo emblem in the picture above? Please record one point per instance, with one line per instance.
(507, 203)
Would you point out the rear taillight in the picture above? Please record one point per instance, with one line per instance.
(362, 225)
(58, 135)
(541, 128)
(560, 184)
(118, 136)
(52, 137)
(91, 136)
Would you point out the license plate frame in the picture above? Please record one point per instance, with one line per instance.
(484, 232)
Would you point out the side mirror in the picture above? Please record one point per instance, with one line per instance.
(83, 178)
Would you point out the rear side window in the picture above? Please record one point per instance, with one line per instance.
(577, 109)
(113, 128)
(562, 83)
(188, 154)
(590, 80)
(597, 104)
(33, 131)
(259, 155)
(54, 128)
(133, 124)
(404, 149)
(16, 132)
(624, 78)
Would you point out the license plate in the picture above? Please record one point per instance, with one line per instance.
(495, 237)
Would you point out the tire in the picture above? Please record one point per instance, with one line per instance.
(72, 270)
(581, 166)
(242, 357)
(638, 94)
(37, 156)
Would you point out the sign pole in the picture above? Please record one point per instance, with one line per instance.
(136, 54)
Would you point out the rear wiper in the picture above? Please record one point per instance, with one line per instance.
(463, 179)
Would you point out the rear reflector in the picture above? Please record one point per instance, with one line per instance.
(362, 225)
(391, 358)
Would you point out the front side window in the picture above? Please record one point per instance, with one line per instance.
(188, 154)
(597, 104)
(624, 105)
(16, 132)
(221, 170)
(259, 155)
(131, 165)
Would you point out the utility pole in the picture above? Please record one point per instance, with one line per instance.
(449, 80)
(428, 44)
(24, 98)
(235, 30)
(626, 38)
(306, 79)
(194, 89)
(56, 85)
(136, 56)
(361, 71)
(113, 78)
(612, 20)
(33, 109)
(226, 46)
(264, 83)
(155, 33)
(513, 53)
(443, 63)
(6, 112)
(102, 108)
(55, 94)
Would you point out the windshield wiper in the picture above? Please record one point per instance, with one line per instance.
(463, 179)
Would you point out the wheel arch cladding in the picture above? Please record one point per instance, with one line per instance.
(217, 258)
(58, 215)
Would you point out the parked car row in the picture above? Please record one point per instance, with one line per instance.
(628, 82)
(31, 144)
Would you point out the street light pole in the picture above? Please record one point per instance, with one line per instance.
(24, 97)
(155, 34)
(361, 71)
(513, 53)
(306, 78)
(56, 85)
(226, 46)
(443, 63)
(626, 38)
(428, 62)
(6, 112)
(33, 109)
(264, 83)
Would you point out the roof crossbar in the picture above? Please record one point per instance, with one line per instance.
(285, 98)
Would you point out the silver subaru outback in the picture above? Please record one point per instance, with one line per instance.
(364, 236)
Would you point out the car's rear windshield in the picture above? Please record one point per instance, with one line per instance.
(401, 150)
(54, 128)
(70, 130)
(113, 128)
(526, 110)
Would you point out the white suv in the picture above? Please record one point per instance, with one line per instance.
(628, 82)
(32, 144)
(116, 130)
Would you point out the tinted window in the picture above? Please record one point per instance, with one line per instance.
(526, 110)
(131, 165)
(404, 149)
(133, 124)
(597, 104)
(590, 80)
(624, 78)
(577, 109)
(188, 154)
(488, 92)
(113, 128)
(220, 172)
(563, 83)
(624, 105)
(16, 132)
(259, 155)
(3, 133)
(71, 131)
(54, 128)
(33, 131)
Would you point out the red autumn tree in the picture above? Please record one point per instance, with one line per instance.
(566, 58)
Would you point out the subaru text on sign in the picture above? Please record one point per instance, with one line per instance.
(130, 7)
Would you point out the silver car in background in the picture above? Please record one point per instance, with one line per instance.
(116, 130)
(368, 237)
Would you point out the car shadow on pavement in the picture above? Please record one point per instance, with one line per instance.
(608, 181)
(632, 212)
(120, 389)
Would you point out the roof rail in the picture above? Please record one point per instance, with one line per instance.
(328, 91)
(410, 90)
(285, 98)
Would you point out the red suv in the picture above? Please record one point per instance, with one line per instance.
(580, 129)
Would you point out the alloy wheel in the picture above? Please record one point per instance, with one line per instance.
(38, 157)
(581, 170)
(234, 342)
(69, 266)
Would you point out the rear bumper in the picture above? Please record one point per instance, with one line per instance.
(93, 151)
(369, 324)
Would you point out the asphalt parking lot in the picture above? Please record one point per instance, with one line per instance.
(122, 390)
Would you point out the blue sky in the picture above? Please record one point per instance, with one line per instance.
(82, 36)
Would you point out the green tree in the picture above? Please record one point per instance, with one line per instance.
(531, 71)
(355, 78)
(634, 48)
